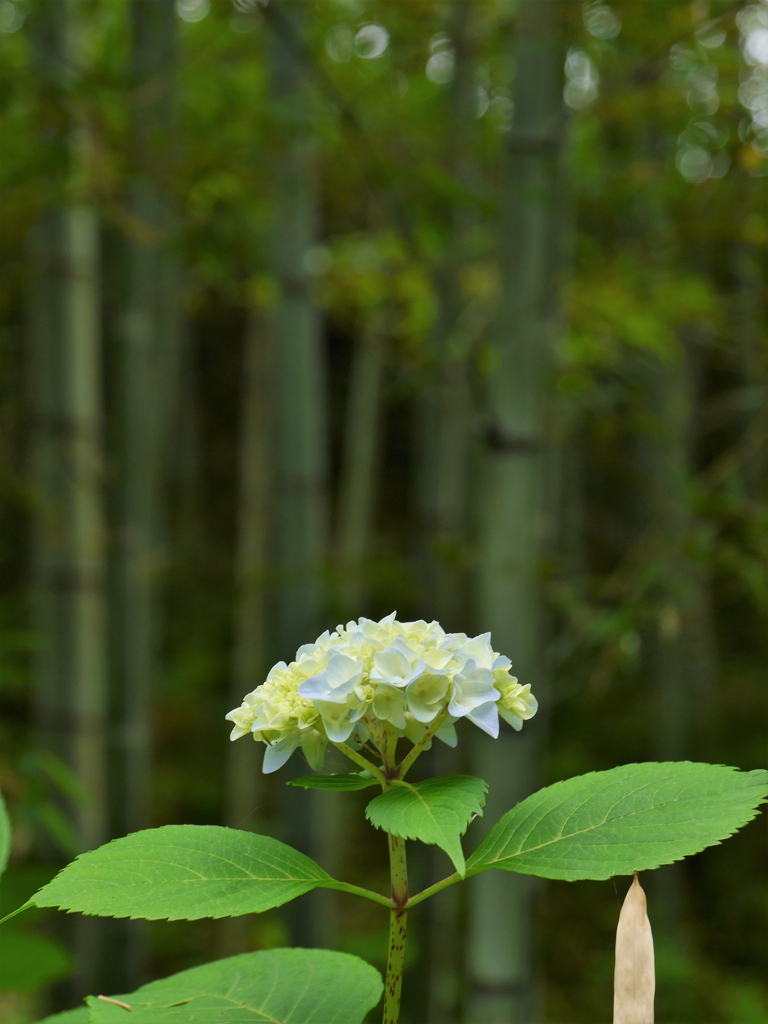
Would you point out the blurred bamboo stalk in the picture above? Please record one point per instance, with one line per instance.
(634, 976)
(150, 338)
(360, 463)
(300, 459)
(145, 386)
(501, 981)
(445, 414)
(250, 661)
(444, 476)
(300, 422)
(69, 578)
(754, 363)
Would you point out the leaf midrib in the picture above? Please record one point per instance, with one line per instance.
(578, 832)
(426, 806)
(230, 999)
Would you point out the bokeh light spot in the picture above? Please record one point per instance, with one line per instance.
(601, 21)
(440, 67)
(11, 17)
(340, 44)
(192, 10)
(371, 41)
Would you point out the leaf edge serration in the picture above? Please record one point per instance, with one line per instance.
(516, 862)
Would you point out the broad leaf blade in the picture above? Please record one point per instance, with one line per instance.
(281, 986)
(335, 783)
(79, 1015)
(437, 811)
(631, 818)
(5, 835)
(183, 872)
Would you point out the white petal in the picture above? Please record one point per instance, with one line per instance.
(390, 665)
(238, 731)
(509, 716)
(339, 732)
(336, 721)
(343, 671)
(314, 745)
(447, 733)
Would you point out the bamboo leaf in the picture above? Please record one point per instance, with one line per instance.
(635, 817)
(336, 783)
(5, 835)
(281, 986)
(437, 811)
(183, 872)
(634, 976)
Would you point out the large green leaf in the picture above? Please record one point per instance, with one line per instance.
(631, 818)
(183, 872)
(437, 811)
(28, 961)
(282, 986)
(77, 1016)
(5, 835)
(335, 783)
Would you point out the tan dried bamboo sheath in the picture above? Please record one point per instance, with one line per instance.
(634, 977)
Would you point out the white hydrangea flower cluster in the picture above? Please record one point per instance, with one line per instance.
(368, 681)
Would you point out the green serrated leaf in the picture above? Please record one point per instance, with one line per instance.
(28, 961)
(5, 835)
(79, 1015)
(281, 986)
(631, 818)
(183, 872)
(336, 783)
(437, 811)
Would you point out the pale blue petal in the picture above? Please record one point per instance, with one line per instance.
(317, 688)
(278, 753)
(486, 717)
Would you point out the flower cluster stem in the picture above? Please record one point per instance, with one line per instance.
(398, 923)
(425, 740)
(363, 762)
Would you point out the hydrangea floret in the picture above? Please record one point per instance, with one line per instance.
(376, 682)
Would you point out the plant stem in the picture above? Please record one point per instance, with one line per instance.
(437, 887)
(420, 746)
(364, 763)
(398, 921)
